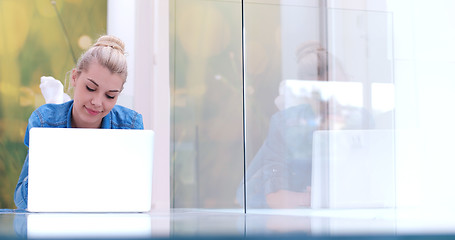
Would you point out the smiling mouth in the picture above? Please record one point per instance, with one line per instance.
(92, 112)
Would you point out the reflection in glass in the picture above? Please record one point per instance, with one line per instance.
(330, 88)
(353, 169)
(307, 69)
(207, 134)
(85, 225)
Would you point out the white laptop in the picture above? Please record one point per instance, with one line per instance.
(353, 169)
(90, 170)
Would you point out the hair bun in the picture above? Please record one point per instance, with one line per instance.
(307, 48)
(111, 41)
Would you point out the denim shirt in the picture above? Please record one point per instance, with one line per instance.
(59, 116)
(283, 162)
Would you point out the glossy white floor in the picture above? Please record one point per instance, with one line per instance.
(231, 223)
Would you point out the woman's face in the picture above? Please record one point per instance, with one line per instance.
(95, 94)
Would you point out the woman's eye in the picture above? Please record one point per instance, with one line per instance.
(110, 97)
(90, 89)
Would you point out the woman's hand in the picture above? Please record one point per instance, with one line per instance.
(289, 199)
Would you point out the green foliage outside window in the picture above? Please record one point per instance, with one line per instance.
(33, 44)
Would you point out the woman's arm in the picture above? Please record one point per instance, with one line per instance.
(21, 193)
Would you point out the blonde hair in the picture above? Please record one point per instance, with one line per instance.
(314, 62)
(108, 51)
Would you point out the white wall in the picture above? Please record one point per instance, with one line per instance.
(123, 27)
(424, 46)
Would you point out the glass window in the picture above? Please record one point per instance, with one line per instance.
(207, 106)
(309, 114)
(319, 107)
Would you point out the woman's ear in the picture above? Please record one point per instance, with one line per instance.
(74, 76)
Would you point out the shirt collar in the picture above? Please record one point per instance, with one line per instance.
(106, 122)
(68, 116)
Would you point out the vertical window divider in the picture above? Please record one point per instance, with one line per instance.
(244, 107)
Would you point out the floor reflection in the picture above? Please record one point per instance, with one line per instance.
(323, 222)
(89, 225)
(233, 223)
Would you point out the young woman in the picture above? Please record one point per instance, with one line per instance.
(97, 80)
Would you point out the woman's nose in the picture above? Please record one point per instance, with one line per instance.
(96, 100)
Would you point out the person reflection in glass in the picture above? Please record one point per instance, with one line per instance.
(279, 176)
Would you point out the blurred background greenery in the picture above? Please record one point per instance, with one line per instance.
(33, 44)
